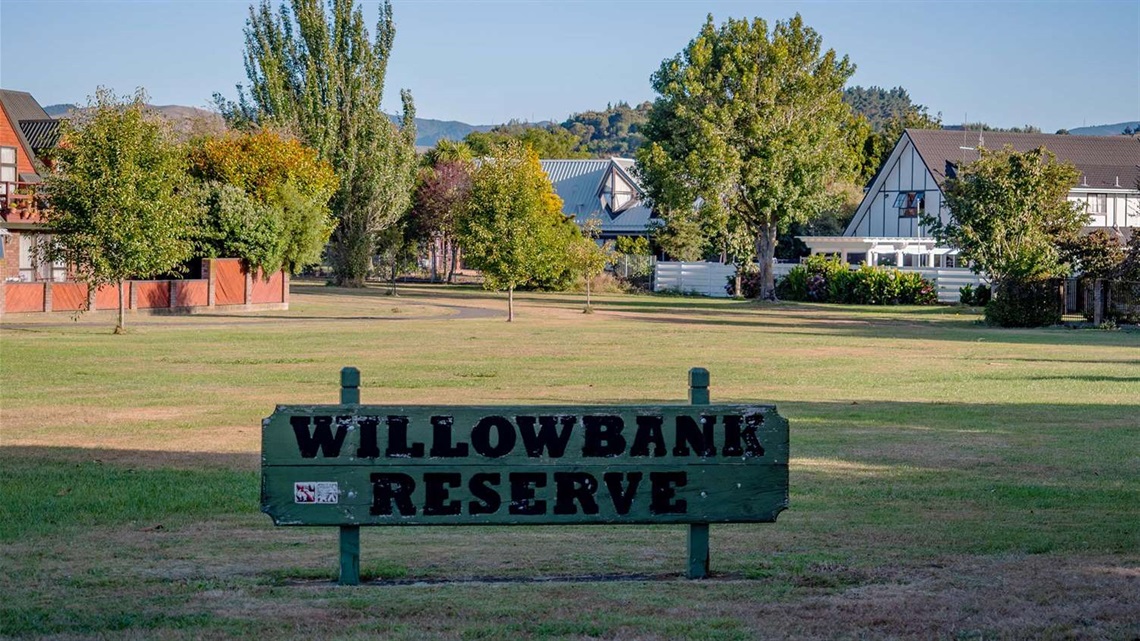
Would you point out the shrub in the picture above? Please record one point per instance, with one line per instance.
(982, 296)
(823, 280)
(966, 295)
(1025, 304)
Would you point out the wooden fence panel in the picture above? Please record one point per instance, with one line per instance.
(191, 293)
(68, 297)
(268, 291)
(23, 297)
(151, 294)
(229, 282)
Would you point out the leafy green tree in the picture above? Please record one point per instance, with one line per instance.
(751, 120)
(885, 114)
(320, 74)
(513, 229)
(588, 258)
(1010, 215)
(265, 199)
(119, 208)
(549, 141)
(614, 131)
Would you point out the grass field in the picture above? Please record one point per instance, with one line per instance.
(948, 480)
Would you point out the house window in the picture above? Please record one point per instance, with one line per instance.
(910, 203)
(1099, 204)
(7, 168)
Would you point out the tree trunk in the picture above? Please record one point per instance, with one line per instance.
(588, 308)
(766, 255)
(433, 255)
(121, 328)
(392, 281)
(454, 261)
(510, 304)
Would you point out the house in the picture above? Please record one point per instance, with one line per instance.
(605, 189)
(26, 132)
(887, 227)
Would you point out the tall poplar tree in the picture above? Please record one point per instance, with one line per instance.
(320, 74)
(750, 122)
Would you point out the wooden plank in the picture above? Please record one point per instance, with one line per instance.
(366, 435)
(442, 494)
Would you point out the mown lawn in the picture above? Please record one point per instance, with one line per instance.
(948, 480)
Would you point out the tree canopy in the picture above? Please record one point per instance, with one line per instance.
(119, 206)
(549, 141)
(1010, 215)
(750, 120)
(513, 229)
(264, 198)
(322, 75)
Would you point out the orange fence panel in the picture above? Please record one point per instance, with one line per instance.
(107, 297)
(191, 293)
(151, 294)
(268, 291)
(68, 297)
(229, 282)
(23, 297)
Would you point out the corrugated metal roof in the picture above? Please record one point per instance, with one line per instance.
(20, 105)
(1104, 161)
(40, 134)
(577, 183)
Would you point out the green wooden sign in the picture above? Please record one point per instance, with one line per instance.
(351, 465)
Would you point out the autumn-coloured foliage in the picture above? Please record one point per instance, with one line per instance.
(264, 198)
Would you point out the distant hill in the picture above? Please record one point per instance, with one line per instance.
(184, 120)
(1104, 130)
(188, 119)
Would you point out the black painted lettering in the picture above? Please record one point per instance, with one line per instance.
(504, 441)
(436, 501)
(603, 436)
(732, 445)
(648, 433)
(392, 488)
(522, 493)
(575, 486)
(700, 438)
(623, 499)
(320, 438)
(398, 440)
(441, 439)
(368, 447)
(548, 436)
(663, 492)
(480, 487)
(743, 442)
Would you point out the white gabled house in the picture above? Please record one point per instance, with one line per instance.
(604, 189)
(887, 226)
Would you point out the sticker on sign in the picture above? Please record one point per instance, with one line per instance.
(321, 492)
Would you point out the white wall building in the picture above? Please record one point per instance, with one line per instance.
(887, 226)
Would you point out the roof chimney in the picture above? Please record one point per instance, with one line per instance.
(1084, 180)
(1118, 181)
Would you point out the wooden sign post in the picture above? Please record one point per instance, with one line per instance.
(350, 465)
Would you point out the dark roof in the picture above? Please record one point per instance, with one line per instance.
(20, 105)
(33, 125)
(40, 134)
(1104, 161)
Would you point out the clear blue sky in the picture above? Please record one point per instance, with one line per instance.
(1051, 64)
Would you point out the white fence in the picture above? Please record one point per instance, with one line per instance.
(709, 279)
